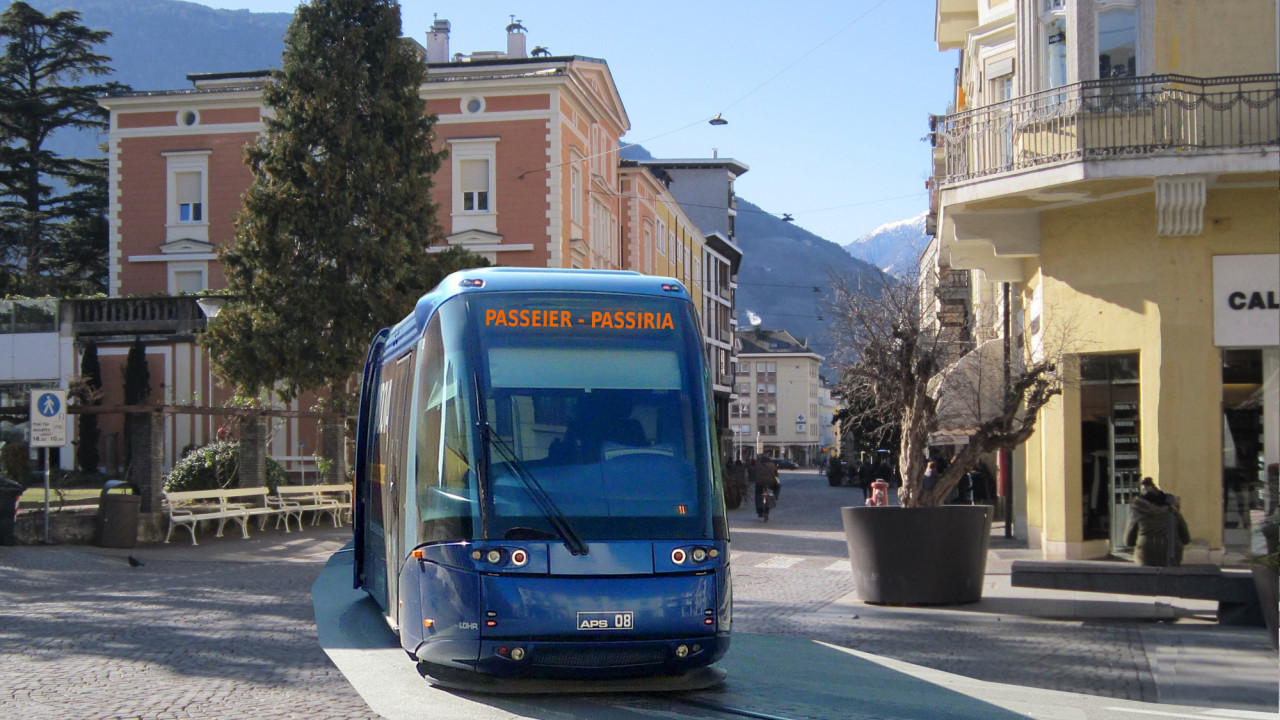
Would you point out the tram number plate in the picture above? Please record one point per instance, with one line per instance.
(606, 620)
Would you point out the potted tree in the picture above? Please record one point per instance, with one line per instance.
(903, 372)
(1266, 570)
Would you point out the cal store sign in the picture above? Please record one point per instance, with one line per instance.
(1246, 302)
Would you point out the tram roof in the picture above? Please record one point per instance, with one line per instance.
(510, 279)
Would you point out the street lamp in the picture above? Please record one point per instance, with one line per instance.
(211, 305)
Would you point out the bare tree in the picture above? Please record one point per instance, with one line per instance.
(898, 369)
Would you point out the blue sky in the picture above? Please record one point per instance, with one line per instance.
(827, 101)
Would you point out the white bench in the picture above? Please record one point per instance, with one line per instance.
(297, 499)
(339, 493)
(256, 502)
(188, 507)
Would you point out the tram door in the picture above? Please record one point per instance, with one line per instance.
(394, 415)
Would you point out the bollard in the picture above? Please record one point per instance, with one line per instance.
(879, 493)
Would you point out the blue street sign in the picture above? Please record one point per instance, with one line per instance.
(49, 405)
(48, 419)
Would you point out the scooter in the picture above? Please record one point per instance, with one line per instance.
(767, 501)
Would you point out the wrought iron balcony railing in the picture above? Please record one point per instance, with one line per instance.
(1104, 119)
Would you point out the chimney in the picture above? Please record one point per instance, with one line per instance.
(438, 42)
(515, 39)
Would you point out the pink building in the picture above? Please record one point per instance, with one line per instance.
(532, 180)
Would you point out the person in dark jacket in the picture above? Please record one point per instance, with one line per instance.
(1157, 531)
(766, 477)
(835, 473)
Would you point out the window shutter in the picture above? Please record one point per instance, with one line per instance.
(188, 187)
(475, 176)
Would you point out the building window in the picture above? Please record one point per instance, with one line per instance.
(475, 185)
(186, 195)
(473, 163)
(1117, 41)
(1053, 43)
(599, 241)
(575, 193)
(187, 281)
(646, 259)
(190, 207)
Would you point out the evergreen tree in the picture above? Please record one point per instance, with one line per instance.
(331, 243)
(51, 207)
(87, 432)
(137, 376)
(137, 390)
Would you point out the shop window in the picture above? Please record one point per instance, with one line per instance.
(1110, 436)
(1244, 487)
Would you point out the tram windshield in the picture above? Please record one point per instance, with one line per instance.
(600, 400)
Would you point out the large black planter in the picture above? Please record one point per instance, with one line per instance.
(1267, 583)
(918, 556)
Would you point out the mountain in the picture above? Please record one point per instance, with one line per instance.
(154, 44)
(893, 247)
(786, 276)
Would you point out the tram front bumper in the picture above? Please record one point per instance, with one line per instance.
(583, 626)
(618, 658)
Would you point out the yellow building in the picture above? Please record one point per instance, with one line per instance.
(1115, 164)
(778, 410)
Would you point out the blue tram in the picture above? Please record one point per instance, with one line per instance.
(537, 488)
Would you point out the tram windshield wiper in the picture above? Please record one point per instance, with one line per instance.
(538, 493)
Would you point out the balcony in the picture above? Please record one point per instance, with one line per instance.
(1142, 117)
(127, 316)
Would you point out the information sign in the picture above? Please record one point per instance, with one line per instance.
(48, 418)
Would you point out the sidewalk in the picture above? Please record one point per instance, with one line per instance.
(1193, 661)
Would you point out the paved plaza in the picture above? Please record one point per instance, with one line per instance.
(227, 629)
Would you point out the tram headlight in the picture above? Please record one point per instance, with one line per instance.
(699, 555)
(517, 654)
(682, 651)
(493, 557)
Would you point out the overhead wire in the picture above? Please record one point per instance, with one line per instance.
(749, 93)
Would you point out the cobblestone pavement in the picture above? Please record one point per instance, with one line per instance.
(785, 572)
(226, 629)
(83, 635)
